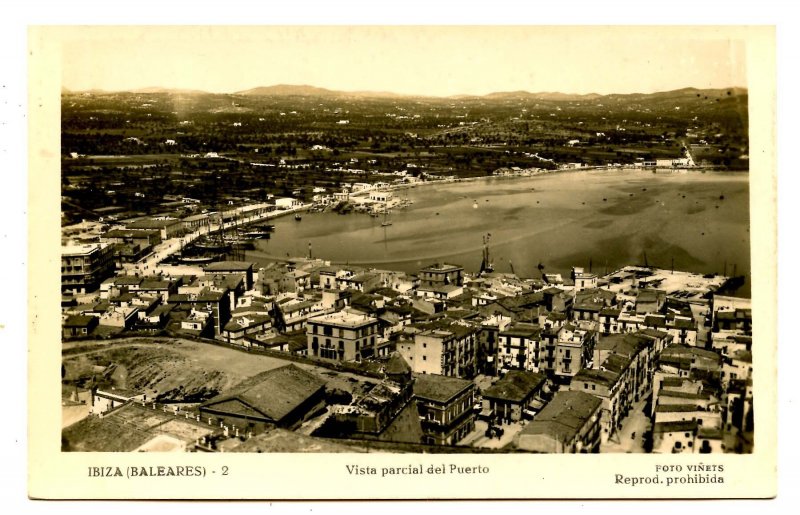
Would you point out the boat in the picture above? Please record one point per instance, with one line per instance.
(195, 260)
(258, 235)
(386, 223)
(220, 247)
(298, 217)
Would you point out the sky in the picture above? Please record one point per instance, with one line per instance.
(418, 60)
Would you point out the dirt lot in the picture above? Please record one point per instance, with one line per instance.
(177, 368)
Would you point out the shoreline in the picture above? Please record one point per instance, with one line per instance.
(655, 171)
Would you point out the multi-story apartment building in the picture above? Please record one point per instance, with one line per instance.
(343, 336)
(84, 267)
(567, 349)
(447, 349)
(518, 347)
(440, 274)
(612, 387)
(445, 408)
(216, 302)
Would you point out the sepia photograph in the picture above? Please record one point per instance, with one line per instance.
(453, 245)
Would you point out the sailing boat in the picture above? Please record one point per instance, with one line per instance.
(386, 223)
(486, 263)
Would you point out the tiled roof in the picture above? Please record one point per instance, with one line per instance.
(274, 393)
(515, 386)
(439, 388)
(564, 416)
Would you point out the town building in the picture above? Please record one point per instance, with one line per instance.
(582, 279)
(217, 303)
(516, 395)
(232, 268)
(518, 347)
(79, 326)
(284, 397)
(85, 267)
(445, 407)
(440, 274)
(167, 227)
(569, 423)
(199, 222)
(342, 336)
(674, 437)
(386, 411)
(444, 347)
(612, 387)
(567, 349)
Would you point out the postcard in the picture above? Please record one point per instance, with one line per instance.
(402, 262)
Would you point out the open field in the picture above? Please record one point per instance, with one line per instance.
(176, 368)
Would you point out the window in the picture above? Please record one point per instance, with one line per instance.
(424, 358)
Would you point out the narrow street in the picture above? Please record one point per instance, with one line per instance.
(630, 438)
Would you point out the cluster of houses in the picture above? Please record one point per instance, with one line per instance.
(568, 358)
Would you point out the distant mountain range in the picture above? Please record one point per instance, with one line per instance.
(287, 90)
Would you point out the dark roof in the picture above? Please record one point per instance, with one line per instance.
(155, 284)
(121, 233)
(681, 426)
(564, 416)
(653, 333)
(397, 365)
(439, 388)
(228, 266)
(682, 323)
(524, 330)
(616, 363)
(515, 386)
(678, 351)
(127, 280)
(274, 393)
(78, 321)
(674, 381)
(677, 408)
(235, 324)
(655, 321)
(683, 395)
(152, 224)
(743, 355)
(590, 375)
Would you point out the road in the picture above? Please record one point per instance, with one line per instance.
(149, 265)
(630, 439)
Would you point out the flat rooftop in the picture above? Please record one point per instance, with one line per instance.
(81, 250)
(344, 319)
